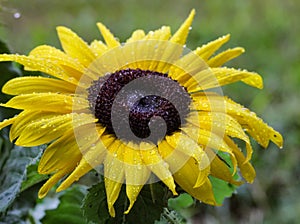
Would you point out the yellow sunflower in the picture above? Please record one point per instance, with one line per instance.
(142, 111)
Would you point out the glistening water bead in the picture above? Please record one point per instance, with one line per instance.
(169, 102)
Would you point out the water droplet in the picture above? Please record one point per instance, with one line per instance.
(17, 15)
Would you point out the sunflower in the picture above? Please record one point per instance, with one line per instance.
(142, 111)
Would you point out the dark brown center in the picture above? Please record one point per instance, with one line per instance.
(150, 103)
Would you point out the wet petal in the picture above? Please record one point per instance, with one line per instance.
(26, 117)
(47, 102)
(136, 173)
(74, 46)
(7, 122)
(187, 66)
(186, 178)
(57, 57)
(207, 50)
(45, 130)
(211, 140)
(114, 174)
(52, 181)
(215, 77)
(188, 146)
(181, 34)
(225, 56)
(98, 48)
(254, 125)
(220, 124)
(55, 156)
(40, 64)
(220, 170)
(37, 84)
(157, 165)
(246, 169)
(136, 36)
(92, 158)
(109, 38)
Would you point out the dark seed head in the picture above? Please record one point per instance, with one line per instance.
(150, 103)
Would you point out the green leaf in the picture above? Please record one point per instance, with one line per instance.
(147, 208)
(32, 177)
(95, 206)
(149, 205)
(182, 201)
(170, 217)
(69, 208)
(14, 172)
(221, 189)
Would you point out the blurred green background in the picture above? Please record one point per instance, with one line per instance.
(269, 30)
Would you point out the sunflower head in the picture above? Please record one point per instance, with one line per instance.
(142, 111)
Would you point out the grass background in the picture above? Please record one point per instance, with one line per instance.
(269, 31)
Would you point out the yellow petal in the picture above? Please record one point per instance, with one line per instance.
(52, 181)
(246, 169)
(98, 47)
(7, 122)
(220, 124)
(211, 140)
(114, 174)
(187, 66)
(57, 57)
(37, 84)
(92, 158)
(136, 36)
(109, 38)
(210, 48)
(186, 145)
(44, 130)
(172, 156)
(254, 125)
(215, 77)
(26, 117)
(163, 34)
(47, 102)
(225, 56)
(157, 165)
(55, 156)
(40, 64)
(113, 189)
(186, 177)
(181, 34)
(74, 46)
(219, 169)
(136, 173)
(47, 129)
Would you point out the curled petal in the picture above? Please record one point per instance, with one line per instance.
(252, 124)
(246, 169)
